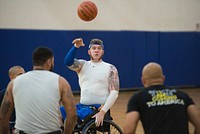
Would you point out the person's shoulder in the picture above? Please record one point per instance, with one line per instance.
(45, 73)
(138, 92)
(182, 93)
(136, 95)
(62, 78)
(179, 92)
(109, 64)
(141, 91)
(82, 60)
(54, 73)
(63, 81)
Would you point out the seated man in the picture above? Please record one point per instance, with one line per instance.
(98, 80)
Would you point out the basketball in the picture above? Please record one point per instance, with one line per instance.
(87, 11)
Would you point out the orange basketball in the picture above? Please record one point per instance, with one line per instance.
(87, 10)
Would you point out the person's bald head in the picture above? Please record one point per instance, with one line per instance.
(15, 71)
(152, 74)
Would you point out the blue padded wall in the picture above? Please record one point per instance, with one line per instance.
(180, 56)
(129, 51)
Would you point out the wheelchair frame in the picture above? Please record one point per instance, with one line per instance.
(89, 127)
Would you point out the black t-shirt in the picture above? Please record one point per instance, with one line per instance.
(162, 110)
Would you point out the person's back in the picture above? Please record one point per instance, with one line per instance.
(161, 110)
(36, 96)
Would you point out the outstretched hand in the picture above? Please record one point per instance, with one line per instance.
(78, 42)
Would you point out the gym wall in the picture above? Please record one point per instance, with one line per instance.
(134, 33)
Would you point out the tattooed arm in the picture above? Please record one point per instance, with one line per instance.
(77, 65)
(113, 87)
(6, 109)
(113, 80)
(68, 102)
(70, 60)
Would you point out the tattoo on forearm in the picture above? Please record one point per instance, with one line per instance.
(113, 81)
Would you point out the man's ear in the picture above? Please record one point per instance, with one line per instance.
(49, 62)
(143, 81)
(163, 78)
(89, 52)
(11, 77)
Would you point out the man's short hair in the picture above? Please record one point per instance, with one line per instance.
(41, 55)
(96, 42)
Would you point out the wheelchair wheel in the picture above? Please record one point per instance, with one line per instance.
(77, 131)
(109, 127)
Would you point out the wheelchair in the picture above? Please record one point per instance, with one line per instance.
(88, 126)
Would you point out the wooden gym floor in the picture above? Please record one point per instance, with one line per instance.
(118, 111)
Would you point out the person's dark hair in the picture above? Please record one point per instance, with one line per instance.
(41, 55)
(96, 42)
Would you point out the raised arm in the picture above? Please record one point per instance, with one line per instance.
(6, 109)
(68, 102)
(70, 60)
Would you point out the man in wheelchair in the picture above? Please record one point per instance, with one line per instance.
(98, 80)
